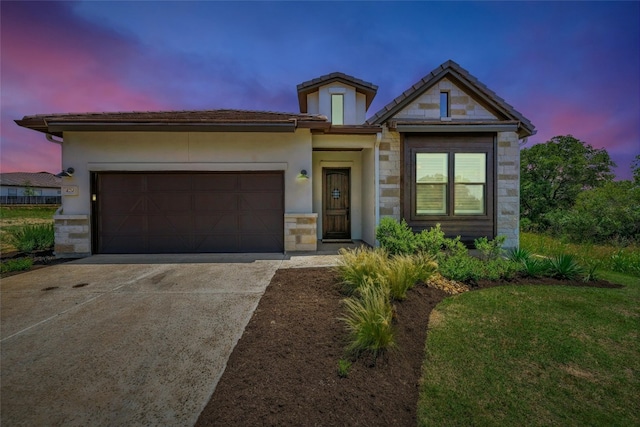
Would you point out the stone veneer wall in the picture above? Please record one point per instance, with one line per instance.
(390, 174)
(72, 235)
(300, 232)
(508, 207)
(508, 184)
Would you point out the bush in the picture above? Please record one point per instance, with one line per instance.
(430, 241)
(33, 237)
(396, 237)
(533, 267)
(369, 320)
(519, 255)
(490, 249)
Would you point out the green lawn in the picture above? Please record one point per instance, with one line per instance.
(534, 355)
(624, 260)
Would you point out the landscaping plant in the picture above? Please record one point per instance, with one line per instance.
(357, 265)
(19, 264)
(369, 318)
(33, 237)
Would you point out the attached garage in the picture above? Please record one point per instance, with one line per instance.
(188, 212)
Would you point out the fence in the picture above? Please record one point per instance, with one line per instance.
(30, 200)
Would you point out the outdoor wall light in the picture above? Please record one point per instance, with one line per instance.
(303, 174)
(68, 172)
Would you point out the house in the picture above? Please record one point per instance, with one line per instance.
(444, 151)
(18, 188)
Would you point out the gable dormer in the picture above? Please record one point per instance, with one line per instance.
(343, 99)
(449, 97)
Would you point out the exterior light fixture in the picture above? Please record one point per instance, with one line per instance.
(303, 175)
(68, 172)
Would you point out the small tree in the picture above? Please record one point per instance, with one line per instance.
(554, 173)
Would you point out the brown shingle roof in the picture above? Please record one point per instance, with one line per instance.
(305, 88)
(471, 83)
(33, 179)
(52, 123)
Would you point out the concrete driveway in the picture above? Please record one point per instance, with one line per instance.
(124, 340)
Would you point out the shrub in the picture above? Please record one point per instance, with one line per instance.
(369, 319)
(430, 241)
(359, 264)
(564, 267)
(33, 237)
(18, 264)
(490, 249)
(396, 237)
(461, 268)
(425, 265)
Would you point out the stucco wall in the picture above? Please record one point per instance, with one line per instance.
(187, 151)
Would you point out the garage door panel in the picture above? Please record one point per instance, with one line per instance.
(263, 223)
(168, 223)
(168, 182)
(215, 182)
(259, 202)
(125, 203)
(190, 212)
(176, 202)
(135, 244)
(124, 224)
(261, 181)
(122, 183)
(217, 201)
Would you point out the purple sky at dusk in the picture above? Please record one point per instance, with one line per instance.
(569, 67)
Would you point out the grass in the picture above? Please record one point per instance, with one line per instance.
(19, 264)
(14, 218)
(624, 260)
(534, 355)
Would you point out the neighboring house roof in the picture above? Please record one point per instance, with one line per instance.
(467, 82)
(30, 179)
(369, 90)
(211, 120)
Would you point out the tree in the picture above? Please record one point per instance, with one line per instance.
(635, 168)
(554, 173)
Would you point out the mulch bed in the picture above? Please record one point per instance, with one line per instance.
(283, 370)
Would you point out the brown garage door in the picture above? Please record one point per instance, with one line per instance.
(189, 212)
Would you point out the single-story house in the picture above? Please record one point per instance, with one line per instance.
(29, 188)
(444, 151)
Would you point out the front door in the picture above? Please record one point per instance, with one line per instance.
(336, 222)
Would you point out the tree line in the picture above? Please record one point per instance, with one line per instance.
(567, 189)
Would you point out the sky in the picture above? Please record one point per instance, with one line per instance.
(569, 67)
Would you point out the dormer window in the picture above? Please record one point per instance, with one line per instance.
(337, 109)
(445, 111)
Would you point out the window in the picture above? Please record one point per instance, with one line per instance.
(432, 183)
(12, 191)
(470, 181)
(337, 109)
(445, 111)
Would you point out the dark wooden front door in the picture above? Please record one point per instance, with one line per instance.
(336, 204)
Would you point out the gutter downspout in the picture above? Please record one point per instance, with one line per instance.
(376, 169)
(51, 139)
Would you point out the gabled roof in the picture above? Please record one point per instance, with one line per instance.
(369, 90)
(468, 83)
(205, 120)
(31, 179)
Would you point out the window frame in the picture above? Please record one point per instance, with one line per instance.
(447, 107)
(449, 144)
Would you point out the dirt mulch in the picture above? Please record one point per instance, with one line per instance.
(283, 371)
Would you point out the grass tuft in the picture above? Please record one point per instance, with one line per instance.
(19, 264)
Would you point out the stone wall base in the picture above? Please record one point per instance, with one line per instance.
(300, 232)
(72, 235)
